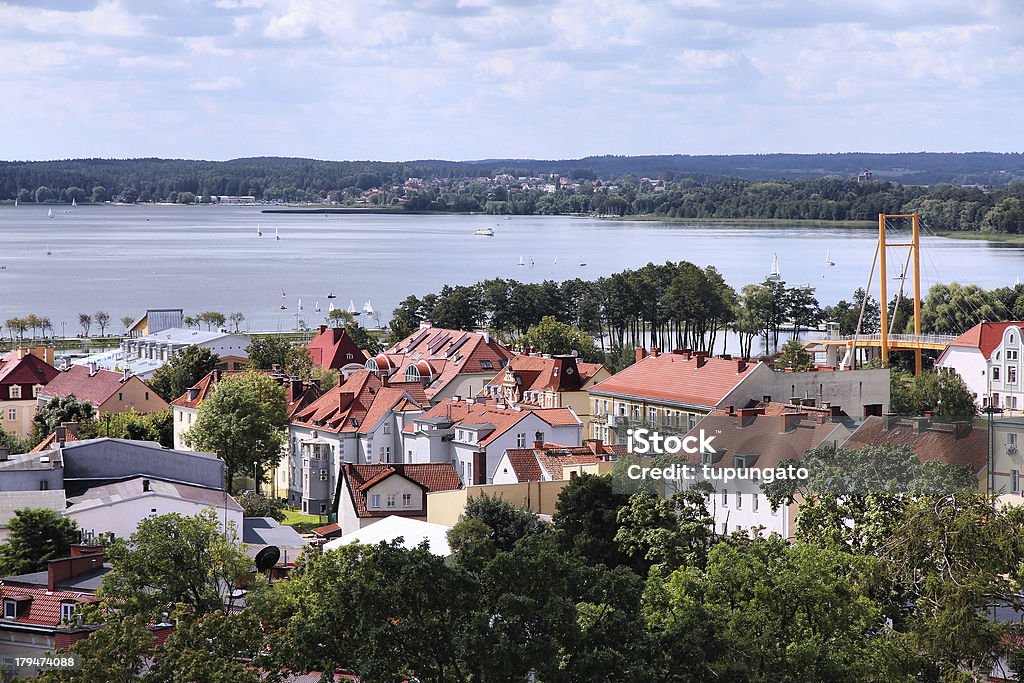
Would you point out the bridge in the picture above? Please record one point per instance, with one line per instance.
(892, 342)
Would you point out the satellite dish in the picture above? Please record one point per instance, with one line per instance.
(267, 558)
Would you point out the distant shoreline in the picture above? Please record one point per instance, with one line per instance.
(1005, 237)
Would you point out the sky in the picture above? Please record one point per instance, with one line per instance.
(478, 79)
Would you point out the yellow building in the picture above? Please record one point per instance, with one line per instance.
(545, 381)
(23, 373)
(111, 392)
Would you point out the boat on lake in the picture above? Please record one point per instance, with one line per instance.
(484, 232)
(775, 274)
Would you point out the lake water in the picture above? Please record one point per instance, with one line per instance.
(124, 259)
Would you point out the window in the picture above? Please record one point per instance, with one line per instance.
(387, 428)
(10, 609)
(375, 500)
(652, 417)
(597, 406)
(391, 500)
(67, 611)
(995, 400)
(521, 440)
(15, 391)
(486, 364)
(406, 500)
(385, 453)
(1015, 481)
(147, 395)
(741, 462)
(724, 528)
(120, 396)
(323, 475)
(44, 485)
(1011, 354)
(1011, 439)
(12, 414)
(739, 500)
(995, 374)
(408, 457)
(691, 420)
(725, 497)
(753, 502)
(348, 356)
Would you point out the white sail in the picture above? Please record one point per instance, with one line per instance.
(368, 308)
(73, 202)
(331, 309)
(775, 273)
(352, 307)
(828, 258)
(300, 304)
(277, 233)
(555, 261)
(259, 232)
(49, 213)
(521, 261)
(317, 309)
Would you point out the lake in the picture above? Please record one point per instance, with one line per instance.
(125, 259)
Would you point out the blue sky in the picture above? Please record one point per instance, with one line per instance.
(472, 79)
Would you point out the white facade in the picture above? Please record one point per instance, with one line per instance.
(183, 419)
(971, 365)
(996, 379)
(395, 495)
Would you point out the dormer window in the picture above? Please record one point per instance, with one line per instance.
(15, 391)
(67, 611)
(10, 609)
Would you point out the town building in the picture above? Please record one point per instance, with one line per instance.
(260, 532)
(988, 358)
(554, 462)
(360, 421)
(760, 438)
(673, 391)
(445, 362)
(110, 392)
(545, 381)
(409, 532)
(1007, 461)
(332, 348)
(370, 493)
(23, 373)
(143, 355)
(157, 320)
(474, 433)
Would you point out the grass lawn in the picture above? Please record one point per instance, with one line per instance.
(302, 522)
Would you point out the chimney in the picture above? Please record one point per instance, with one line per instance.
(145, 485)
(70, 428)
(126, 374)
(729, 410)
(296, 387)
(655, 352)
(701, 358)
(790, 421)
(83, 559)
(92, 368)
(426, 325)
(538, 444)
(835, 411)
(322, 328)
(961, 428)
(215, 375)
(345, 399)
(60, 436)
(747, 415)
(890, 420)
(641, 353)
(741, 365)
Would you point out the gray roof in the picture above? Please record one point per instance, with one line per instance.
(181, 335)
(31, 461)
(86, 582)
(133, 488)
(267, 531)
(18, 500)
(159, 319)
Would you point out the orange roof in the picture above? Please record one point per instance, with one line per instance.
(953, 444)
(537, 373)
(43, 607)
(486, 412)
(96, 389)
(51, 442)
(360, 403)
(435, 476)
(449, 354)
(679, 378)
(985, 336)
(531, 464)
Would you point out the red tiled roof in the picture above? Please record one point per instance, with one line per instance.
(44, 608)
(985, 336)
(51, 441)
(363, 397)
(25, 372)
(429, 476)
(536, 373)
(97, 389)
(328, 531)
(531, 464)
(449, 353)
(929, 440)
(330, 348)
(298, 394)
(503, 419)
(680, 378)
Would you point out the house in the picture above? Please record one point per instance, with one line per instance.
(261, 532)
(40, 609)
(408, 531)
(23, 373)
(298, 395)
(954, 443)
(665, 390)
(988, 358)
(474, 433)
(760, 438)
(370, 493)
(110, 392)
(143, 355)
(675, 390)
(545, 381)
(332, 348)
(157, 320)
(118, 508)
(445, 362)
(12, 501)
(554, 462)
(1007, 462)
(359, 421)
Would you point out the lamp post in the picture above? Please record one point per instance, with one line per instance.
(990, 480)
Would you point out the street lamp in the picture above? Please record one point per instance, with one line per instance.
(990, 479)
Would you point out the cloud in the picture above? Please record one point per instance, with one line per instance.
(222, 83)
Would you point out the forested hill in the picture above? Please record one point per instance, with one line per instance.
(276, 177)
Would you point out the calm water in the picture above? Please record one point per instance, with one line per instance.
(124, 259)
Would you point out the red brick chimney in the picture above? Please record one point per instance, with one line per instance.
(83, 559)
(741, 365)
(655, 352)
(641, 353)
(701, 358)
(345, 399)
(790, 421)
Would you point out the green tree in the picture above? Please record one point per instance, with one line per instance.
(36, 536)
(406, 318)
(183, 564)
(258, 505)
(941, 392)
(58, 410)
(794, 357)
(673, 531)
(116, 653)
(102, 319)
(243, 422)
(134, 426)
(183, 371)
(212, 319)
(269, 351)
(13, 443)
(586, 519)
(85, 320)
(553, 337)
(215, 648)
(508, 524)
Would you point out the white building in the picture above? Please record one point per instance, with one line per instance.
(988, 358)
(143, 355)
(370, 493)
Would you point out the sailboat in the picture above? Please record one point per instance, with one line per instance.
(367, 308)
(317, 309)
(277, 233)
(828, 258)
(73, 202)
(531, 262)
(521, 261)
(48, 252)
(300, 304)
(284, 295)
(49, 213)
(555, 262)
(259, 232)
(331, 309)
(583, 261)
(352, 307)
(15, 201)
(775, 274)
